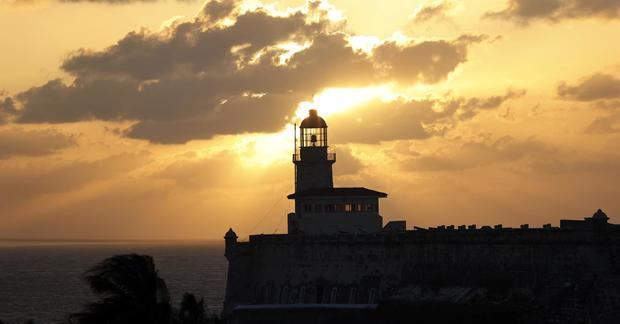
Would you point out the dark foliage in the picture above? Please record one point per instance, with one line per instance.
(192, 311)
(130, 292)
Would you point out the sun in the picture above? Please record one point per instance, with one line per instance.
(338, 100)
(275, 147)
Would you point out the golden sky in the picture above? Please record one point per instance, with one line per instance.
(163, 119)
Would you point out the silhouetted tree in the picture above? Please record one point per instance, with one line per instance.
(192, 311)
(130, 291)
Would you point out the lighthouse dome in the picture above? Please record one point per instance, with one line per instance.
(313, 121)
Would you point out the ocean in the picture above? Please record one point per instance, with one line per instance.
(44, 282)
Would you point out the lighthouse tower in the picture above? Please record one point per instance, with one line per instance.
(321, 208)
(313, 163)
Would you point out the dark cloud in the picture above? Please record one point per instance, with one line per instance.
(431, 11)
(595, 87)
(193, 47)
(19, 142)
(200, 78)
(409, 119)
(524, 11)
(427, 62)
(216, 10)
(7, 109)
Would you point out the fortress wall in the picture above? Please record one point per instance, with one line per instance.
(278, 268)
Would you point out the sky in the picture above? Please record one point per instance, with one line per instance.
(164, 119)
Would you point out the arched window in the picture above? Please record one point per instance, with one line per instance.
(284, 295)
(371, 296)
(267, 294)
(319, 294)
(352, 295)
(334, 294)
(302, 294)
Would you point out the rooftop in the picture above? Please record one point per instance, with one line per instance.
(338, 192)
(313, 121)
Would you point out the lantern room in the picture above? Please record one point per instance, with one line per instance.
(313, 131)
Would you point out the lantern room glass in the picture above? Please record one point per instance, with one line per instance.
(314, 137)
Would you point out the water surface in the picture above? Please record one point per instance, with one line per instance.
(43, 281)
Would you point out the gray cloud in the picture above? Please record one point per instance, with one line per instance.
(402, 119)
(215, 10)
(347, 164)
(605, 124)
(16, 141)
(595, 87)
(25, 182)
(477, 154)
(7, 109)
(524, 11)
(431, 11)
(199, 79)
(428, 62)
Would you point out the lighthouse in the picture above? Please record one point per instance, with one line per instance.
(313, 163)
(321, 208)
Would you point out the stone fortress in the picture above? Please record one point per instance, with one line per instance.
(338, 260)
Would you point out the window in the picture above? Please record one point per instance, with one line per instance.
(352, 295)
(318, 208)
(284, 296)
(307, 208)
(370, 207)
(348, 207)
(302, 294)
(330, 208)
(371, 296)
(334, 294)
(339, 208)
(319, 294)
(357, 207)
(267, 295)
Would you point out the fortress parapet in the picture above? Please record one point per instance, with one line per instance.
(353, 268)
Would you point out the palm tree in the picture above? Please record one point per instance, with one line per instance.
(130, 291)
(192, 311)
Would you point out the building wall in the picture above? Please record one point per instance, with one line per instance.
(322, 221)
(314, 169)
(363, 268)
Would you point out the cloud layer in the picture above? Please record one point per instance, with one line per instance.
(525, 11)
(595, 87)
(16, 141)
(401, 119)
(227, 72)
(431, 11)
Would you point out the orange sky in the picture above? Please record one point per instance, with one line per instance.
(171, 119)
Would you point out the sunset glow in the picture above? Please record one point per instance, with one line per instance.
(162, 115)
(340, 100)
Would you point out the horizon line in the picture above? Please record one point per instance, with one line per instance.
(106, 240)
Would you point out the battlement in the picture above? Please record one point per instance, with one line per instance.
(348, 268)
(570, 231)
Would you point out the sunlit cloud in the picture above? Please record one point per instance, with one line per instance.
(339, 100)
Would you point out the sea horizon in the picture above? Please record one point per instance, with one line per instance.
(112, 241)
(49, 273)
